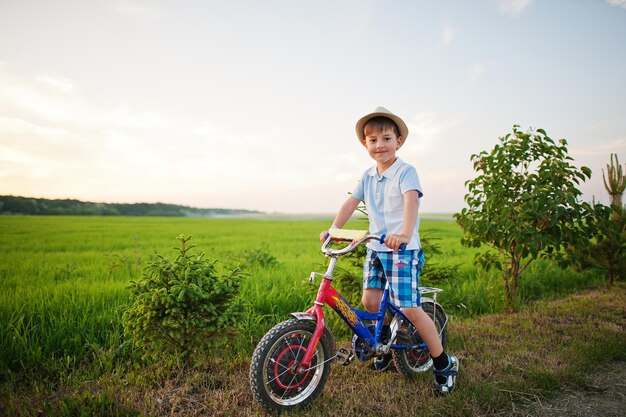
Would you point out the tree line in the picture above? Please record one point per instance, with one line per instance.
(40, 206)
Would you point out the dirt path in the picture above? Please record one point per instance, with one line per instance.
(603, 396)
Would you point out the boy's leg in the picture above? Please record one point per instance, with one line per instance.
(445, 366)
(371, 299)
(426, 328)
(405, 286)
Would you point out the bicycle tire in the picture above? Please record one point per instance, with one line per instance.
(413, 361)
(274, 383)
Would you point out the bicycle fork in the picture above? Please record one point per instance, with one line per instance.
(325, 295)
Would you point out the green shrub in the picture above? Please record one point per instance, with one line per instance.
(177, 307)
(434, 273)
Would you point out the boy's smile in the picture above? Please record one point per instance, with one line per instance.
(382, 147)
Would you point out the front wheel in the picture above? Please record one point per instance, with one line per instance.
(273, 377)
(412, 361)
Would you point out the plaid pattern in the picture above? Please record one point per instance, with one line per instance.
(401, 268)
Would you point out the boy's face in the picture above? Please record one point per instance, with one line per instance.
(382, 147)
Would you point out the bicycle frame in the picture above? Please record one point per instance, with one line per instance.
(353, 317)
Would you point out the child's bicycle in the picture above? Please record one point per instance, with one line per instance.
(292, 361)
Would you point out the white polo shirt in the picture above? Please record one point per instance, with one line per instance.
(383, 196)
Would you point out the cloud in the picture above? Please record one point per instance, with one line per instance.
(513, 7)
(447, 35)
(55, 142)
(478, 69)
(19, 127)
(617, 3)
(59, 85)
(425, 132)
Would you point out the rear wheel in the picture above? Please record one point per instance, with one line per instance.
(274, 377)
(412, 361)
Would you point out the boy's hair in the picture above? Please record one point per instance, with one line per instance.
(379, 124)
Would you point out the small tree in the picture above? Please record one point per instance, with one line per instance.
(616, 183)
(606, 250)
(178, 306)
(606, 247)
(524, 203)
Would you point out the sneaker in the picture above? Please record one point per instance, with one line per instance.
(450, 373)
(382, 363)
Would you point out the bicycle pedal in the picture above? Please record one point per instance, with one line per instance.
(344, 356)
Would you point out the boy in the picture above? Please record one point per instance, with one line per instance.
(391, 191)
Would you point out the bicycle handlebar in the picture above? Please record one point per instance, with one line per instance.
(355, 237)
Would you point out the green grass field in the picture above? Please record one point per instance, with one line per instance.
(63, 279)
(63, 285)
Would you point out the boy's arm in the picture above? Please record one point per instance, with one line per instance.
(346, 211)
(411, 200)
(344, 214)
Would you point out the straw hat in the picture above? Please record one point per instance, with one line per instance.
(381, 111)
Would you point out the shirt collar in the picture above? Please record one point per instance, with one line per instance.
(390, 172)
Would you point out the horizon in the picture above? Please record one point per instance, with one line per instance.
(253, 106)
(252, 212)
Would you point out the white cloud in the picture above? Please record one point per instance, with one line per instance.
(513, 7)
(55, 142)
(447, 35)
(20, 127)
(9, 155)
(478, 69)
(42, 96)
(617, 3)
(58, 85)
(425, 132)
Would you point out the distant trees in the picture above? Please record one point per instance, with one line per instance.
(523, 204)
(41, 206)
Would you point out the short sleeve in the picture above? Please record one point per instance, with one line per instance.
(410, 181)
(359, 190)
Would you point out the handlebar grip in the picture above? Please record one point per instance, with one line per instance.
(382, 240)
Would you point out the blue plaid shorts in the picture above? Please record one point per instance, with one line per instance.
(401, 268)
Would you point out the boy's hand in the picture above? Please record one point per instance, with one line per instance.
(394, 241)
(323, 236)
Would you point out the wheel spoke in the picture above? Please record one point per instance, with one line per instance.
(269, 381)
(290, 347)
(300, 344)
(278, 363)
(288, 389)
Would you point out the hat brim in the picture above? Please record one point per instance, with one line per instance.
(404, 130)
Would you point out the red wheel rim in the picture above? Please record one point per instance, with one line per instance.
(294, 377)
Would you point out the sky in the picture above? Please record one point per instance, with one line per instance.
(252, 104)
